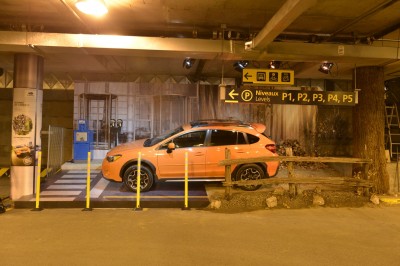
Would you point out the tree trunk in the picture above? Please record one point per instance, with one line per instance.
(369, 124)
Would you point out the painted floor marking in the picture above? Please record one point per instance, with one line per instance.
(82, 171)
(78, 175)
(60, 193)
(67, 187)
(67, 181)
(56, 199)
(99, 188)
(155, 197)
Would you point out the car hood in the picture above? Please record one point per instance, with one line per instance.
(137, 144)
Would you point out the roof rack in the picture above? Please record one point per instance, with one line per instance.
(217, 122)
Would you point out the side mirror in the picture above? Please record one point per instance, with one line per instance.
(171, 147)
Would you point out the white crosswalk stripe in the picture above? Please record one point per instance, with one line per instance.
(71, 184)
(78, 181)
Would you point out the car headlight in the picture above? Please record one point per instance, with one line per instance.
(113, 158)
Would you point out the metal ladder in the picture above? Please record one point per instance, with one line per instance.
(392, 130)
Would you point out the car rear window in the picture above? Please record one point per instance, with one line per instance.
(226, 137)
(252, 139)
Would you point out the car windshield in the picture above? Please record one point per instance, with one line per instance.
(156, 140)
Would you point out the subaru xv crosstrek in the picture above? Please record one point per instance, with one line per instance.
(205, 141)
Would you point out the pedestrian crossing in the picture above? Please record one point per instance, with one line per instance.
(71, 185)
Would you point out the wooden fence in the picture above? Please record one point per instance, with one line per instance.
(292, 180)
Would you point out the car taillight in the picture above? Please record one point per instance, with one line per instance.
(271, 147)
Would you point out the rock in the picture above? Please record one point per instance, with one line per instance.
(374, 199)
(318, 200)
(317, 190)
(215, 204)
(272, 202)
(279, 191)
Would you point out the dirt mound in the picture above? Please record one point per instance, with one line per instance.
(281, 199)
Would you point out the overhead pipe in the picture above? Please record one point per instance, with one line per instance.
(370, 12)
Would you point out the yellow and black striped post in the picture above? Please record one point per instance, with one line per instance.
(139, 166)
(39, 165)
(186, 204)
(88, 208)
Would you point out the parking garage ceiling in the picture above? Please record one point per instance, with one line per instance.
(153, 37)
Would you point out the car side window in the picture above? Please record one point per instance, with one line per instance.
(191, 139)
(226, 137)
(252, 139)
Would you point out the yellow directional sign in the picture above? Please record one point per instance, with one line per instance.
(258, 76)
(254, 95)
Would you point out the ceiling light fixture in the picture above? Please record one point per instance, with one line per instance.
(240, 65)
(92, 7)
(325, 67)
(188, 62)
(274, 64)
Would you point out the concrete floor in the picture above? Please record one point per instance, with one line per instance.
(320, 236)
(317, 236)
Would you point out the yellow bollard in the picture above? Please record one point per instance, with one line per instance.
(88, 184)
(39, 165)
(186, 204)
(139, 166)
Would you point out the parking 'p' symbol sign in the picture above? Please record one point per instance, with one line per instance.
(247, 95)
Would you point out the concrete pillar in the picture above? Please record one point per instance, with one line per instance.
(26, 123)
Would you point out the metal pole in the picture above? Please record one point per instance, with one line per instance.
(39, 156)
(186, 206)
(88, 184)
(138, 208)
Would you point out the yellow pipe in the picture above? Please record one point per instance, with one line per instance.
(138, 181)
(186, 180)
(88, 182)
(38, 179)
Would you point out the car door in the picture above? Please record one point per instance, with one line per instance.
(218, 141)
(171, 165)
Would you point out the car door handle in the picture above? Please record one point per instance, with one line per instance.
(199, 154)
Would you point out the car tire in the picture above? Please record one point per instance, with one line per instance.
(249, 172)
(146, 178)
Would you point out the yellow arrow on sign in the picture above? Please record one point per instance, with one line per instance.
(232, 94)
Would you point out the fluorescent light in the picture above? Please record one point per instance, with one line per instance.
(92, 7)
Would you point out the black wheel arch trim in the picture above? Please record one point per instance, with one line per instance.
(262, 165)
(143, 162)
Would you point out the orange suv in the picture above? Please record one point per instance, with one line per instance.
(163, 157)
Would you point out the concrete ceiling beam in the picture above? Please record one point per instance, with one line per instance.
(23, 41)
(315, 52)
(285, 16)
